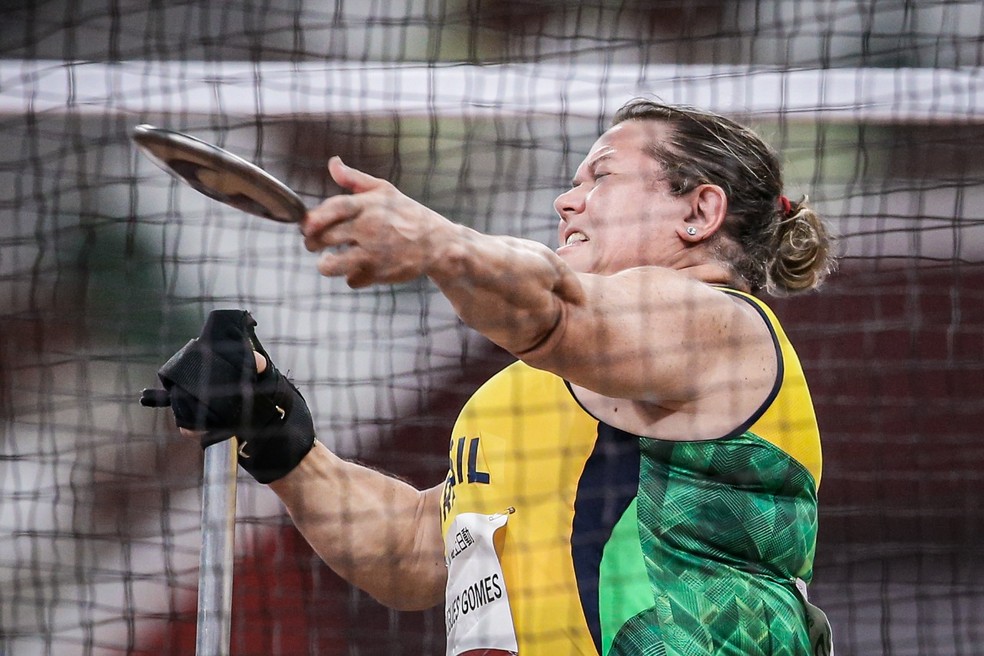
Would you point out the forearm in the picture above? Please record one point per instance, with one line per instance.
(513, 291)
(375, 531)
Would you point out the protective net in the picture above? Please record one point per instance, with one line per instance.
(481, 110)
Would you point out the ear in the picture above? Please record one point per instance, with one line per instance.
(708, 209)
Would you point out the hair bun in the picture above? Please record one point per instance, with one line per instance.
(804, 251)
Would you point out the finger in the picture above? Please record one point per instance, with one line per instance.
(155, 398)
(352, 179)
(352, 264)
(327, 215)
(339, 234)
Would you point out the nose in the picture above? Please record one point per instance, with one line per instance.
(570, 202)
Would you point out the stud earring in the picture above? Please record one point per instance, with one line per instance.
(691, 231)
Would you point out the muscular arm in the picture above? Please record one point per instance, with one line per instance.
(647, 334)
(375, 531)
(516, 292)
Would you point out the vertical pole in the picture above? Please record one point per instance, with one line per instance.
(218, 549)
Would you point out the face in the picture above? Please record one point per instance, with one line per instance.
(620, 213)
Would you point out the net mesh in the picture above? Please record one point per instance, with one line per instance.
(480, 110)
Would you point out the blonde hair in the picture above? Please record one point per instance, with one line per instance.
(803, 256)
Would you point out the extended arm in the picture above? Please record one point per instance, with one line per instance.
(648, 334)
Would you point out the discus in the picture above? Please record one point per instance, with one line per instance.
(219, 174)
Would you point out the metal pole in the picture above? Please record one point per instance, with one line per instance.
(218, 549)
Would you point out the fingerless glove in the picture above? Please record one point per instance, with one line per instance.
(212, 386)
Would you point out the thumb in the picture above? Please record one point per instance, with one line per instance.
(351, 179)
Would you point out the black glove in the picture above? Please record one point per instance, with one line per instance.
(212, 386)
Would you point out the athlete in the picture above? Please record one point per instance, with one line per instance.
(643, 480)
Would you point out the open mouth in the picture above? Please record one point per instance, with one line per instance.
(575, 237)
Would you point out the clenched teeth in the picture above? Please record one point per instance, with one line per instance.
(575, 237)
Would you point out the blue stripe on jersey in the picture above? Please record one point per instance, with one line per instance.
(608, 485)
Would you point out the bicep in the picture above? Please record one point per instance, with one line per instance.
(422, 579)
(378, 532)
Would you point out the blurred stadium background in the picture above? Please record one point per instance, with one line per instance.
(481, 110)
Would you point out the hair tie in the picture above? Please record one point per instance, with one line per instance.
(787, 207)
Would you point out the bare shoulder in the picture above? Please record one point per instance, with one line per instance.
(658, 337)
(662, 290)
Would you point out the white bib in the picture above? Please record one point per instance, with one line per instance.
(476, 611)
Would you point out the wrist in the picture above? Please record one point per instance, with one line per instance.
(450, 247)
(281, 431)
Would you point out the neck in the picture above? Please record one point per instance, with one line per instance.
(714, 273)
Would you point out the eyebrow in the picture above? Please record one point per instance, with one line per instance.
(593, 164)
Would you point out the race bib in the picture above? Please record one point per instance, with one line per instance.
(477, 617)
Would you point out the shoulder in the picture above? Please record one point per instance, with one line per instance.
(705, 357)
(655, 335)
(674, 309)
(670, 293)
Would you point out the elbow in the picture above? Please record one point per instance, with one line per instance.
(540, 347)
(566, 295)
